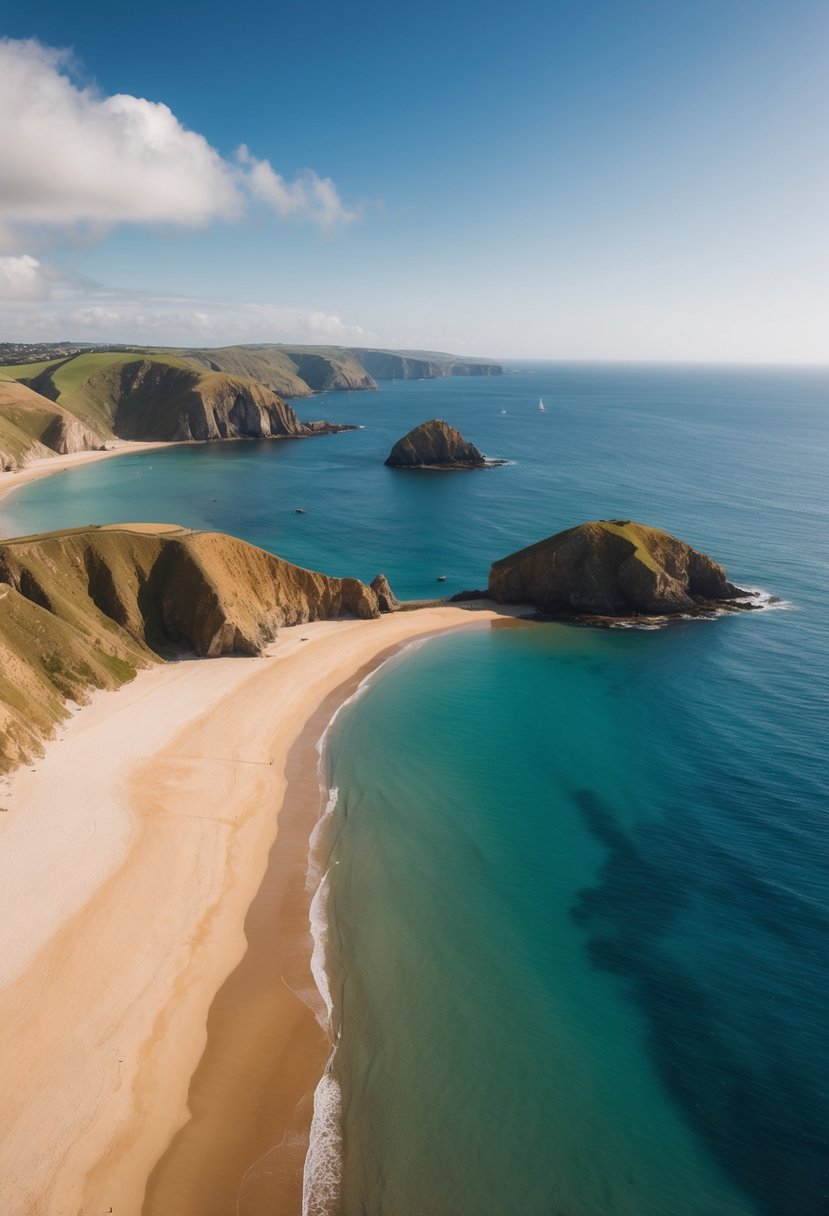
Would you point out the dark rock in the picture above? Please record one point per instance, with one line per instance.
(386, 599)
(611, 568)
(435, 445)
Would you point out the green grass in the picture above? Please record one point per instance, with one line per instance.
(636, 535)
(71, 376)
(26, 371)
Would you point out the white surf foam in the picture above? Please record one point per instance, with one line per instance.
(317, 863)
(319, 932)
(755, 598)
(323, 1162)
(322, 1174)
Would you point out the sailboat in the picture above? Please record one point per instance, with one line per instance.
(541, 408)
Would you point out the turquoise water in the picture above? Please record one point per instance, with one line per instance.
(577, 887)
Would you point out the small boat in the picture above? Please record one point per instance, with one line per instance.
(299, 510)
(503, 411)
(441, 578)
(541, 408)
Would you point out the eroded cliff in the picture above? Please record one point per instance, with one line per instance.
(86, 608)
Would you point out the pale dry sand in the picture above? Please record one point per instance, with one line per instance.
(130, 857)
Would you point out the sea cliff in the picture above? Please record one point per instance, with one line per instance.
(86, 608)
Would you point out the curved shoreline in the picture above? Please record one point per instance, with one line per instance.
(36, 470)
(124, 971)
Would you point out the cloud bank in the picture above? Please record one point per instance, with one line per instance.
(70, 156)
(90, 314)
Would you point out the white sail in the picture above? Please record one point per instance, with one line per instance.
(541, 405)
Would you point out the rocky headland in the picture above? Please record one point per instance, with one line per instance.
(33, 428)
(612, 568)
(421, 365)
(61, 399)
(86, 608)
(436, 445)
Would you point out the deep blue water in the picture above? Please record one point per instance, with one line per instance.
(578, 887)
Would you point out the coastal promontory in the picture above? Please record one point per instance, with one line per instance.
(611, 568)
(86, 608)
(435, 445)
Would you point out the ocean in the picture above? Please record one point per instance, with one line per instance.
(575, 912)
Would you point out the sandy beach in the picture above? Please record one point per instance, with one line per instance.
(131, 854)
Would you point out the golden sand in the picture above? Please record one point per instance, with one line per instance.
(138, 845)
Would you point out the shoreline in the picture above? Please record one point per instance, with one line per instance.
(160, 804)
(50, 465)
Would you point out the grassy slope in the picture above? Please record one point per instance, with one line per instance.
(89, 385)
(26, 371)
(85, 607)
(24, 417)
(269, 365)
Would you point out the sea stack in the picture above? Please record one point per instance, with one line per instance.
(436, 445)
(611, 568)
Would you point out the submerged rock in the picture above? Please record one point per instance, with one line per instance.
(611, 568)
(435, 445)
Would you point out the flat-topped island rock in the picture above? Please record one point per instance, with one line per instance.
(612, 568)
(436, 445)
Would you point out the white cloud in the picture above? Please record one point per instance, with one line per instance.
(92, 315)
(309, 194)
(72, 156)
(22, 278)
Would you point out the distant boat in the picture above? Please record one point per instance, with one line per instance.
(503, 411)
(441, 578)
(541, 408)
(299, 510)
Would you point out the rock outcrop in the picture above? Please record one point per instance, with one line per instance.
(66, 434)
(84, 609)
(386, 599)
(33, 428)
(611, 568)
(435, 445)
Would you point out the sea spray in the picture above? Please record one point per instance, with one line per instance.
(322, 1174)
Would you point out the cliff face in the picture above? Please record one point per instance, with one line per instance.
(333, 370)
(84, 609)
(159, 402)
(66, 434)
(32, 428)
(435, 445)
(418, 365)
(291, 371)
(610, 568)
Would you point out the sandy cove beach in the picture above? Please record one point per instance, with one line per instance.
(131, 854)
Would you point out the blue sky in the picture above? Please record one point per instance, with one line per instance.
(561, 180)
